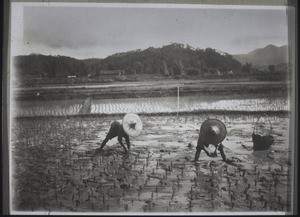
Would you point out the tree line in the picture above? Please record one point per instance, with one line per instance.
(170, 61)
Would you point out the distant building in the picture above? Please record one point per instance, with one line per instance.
(71, 76)
(118, 72)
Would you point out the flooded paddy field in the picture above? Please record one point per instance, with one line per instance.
(55, 166)
(206, 87)
(56, 169)
(149, 105)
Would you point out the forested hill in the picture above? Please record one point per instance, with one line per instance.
(174, 59)
(263, 57)
(170, 60)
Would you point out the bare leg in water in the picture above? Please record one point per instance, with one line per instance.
(201, 146)
(116, 130)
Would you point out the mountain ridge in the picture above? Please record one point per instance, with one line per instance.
(171, 61)
(263, 57)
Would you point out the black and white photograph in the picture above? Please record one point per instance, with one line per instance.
(151, 108)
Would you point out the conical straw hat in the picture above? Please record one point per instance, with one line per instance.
(213, 131)
(132, 124)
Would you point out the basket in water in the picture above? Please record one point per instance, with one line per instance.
(262, 140)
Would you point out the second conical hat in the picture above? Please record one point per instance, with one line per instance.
(213, 131)
(132, 124)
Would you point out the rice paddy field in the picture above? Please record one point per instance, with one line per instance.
(55, 166)
(148, 105)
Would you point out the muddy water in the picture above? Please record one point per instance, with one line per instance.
(146, 105)
(57, 168)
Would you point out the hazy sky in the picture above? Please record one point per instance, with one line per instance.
(91, 31)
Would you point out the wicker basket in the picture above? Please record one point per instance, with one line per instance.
(262, 140)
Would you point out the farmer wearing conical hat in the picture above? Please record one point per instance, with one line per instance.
(212, 131)
(131, 125)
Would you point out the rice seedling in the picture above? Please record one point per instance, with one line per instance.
(103, 198)
(93, 169)
(190, 206)
(265, 204)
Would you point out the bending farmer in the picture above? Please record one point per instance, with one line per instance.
(212, 131)
(131, 125)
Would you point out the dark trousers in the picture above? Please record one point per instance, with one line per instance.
(116, 130)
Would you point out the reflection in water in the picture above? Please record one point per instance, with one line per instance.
(259, 157)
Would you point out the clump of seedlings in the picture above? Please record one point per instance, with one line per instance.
(65, 175)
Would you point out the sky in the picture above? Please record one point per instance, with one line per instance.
(99, 30)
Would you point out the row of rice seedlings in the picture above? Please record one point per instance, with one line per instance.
(170, 174)
(256, 192)
(59, 130)
(58, 164)
(170, 105)
(44, 108)
(246, 189)
(124, 108)
(148, 105)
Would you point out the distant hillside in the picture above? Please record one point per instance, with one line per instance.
(263, 57)
(41, 66)
(174, 60)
